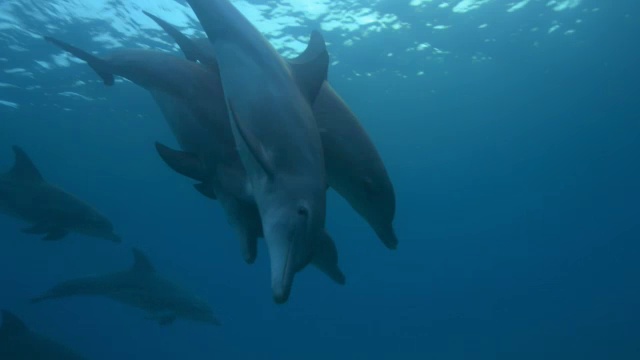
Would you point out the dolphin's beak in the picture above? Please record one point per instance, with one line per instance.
(282, 270)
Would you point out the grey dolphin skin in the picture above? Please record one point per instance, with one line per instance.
(208, 156)
(142, 287)
(54, 213)
(353, 165)
(18, 342)
(276, 135)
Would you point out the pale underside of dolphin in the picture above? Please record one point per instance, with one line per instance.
(209, 157)
(276, 135)
(52, 212)
(142, 287)
(353, 165)
(18, 342)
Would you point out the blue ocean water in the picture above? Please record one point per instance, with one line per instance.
(511, 132)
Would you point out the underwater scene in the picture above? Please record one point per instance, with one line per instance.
(319, 179)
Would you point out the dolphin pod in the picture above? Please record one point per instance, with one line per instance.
(209, 157)
(52, 212)
(353, 165)
(18, 342)
(140, 286)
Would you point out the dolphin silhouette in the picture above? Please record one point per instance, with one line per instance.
(54, 213)
(18, 342)
(209, 157)
(140, 286)
(353, 165)
(276, 134)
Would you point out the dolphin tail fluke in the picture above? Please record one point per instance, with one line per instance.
(98, 65)
(188, 47)
(325, 258)
(182, 162)
(310, 68)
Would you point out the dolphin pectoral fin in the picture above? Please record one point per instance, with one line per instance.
(253, 144)
(310, 68)
(206, 190)
(182, 162)
(55, 234)
(188, 47)
(39, 228)
(98, 65)
(325, 258)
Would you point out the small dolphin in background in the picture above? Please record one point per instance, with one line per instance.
(25, 194)
(354, 167)
(18, 342)
(141, 287)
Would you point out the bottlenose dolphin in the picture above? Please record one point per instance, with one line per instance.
(276, 134)
(353, 165)
(18, 342)
(25, 194)
(142, 287)
(207, 156)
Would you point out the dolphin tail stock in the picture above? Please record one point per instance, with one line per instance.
(98, 65)
(325, 258)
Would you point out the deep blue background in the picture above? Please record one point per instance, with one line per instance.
(517, 182)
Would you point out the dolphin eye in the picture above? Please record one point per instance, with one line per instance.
(303, 211)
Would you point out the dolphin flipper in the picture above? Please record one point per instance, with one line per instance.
(182, 162)
(206, 189)
(55, 234)
(325, 258)
(98, 65)
(310, 68)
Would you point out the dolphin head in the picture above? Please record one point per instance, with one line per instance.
(97, 225)
(292, 224)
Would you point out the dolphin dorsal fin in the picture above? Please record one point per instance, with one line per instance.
(190, 50)
(23, 168)
(141, 263)
(310, 68)
(11, 324)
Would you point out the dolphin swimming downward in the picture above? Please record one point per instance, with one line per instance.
(276, 135)
(18, 342)
(140, 286)
(209, 157)
(54, 213)
(354, 167)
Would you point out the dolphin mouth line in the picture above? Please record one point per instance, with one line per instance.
(287, 263)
